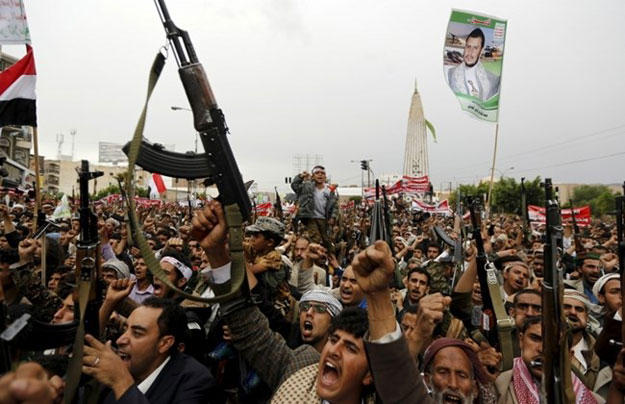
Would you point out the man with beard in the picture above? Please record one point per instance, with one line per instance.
(341, 373)
(608, 291)
(452, 372)
(417, 286)
(470, 77)
(516, 275)
(590, 268)
(576, 310)
(521, 384)
(304, 268)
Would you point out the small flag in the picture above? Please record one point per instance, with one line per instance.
(156, 186)
(17, 92)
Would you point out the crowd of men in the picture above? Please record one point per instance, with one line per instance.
(326, 315)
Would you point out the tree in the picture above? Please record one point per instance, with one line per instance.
(506, 194)
(599, 197)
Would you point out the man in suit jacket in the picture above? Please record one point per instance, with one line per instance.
(148, 367)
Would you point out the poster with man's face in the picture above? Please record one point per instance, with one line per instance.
(473, 60)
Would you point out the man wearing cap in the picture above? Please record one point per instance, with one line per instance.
(114, 269)
(318, 205)
(262, 258)
(453, 373)
(607, 289)
(317, 308)
(585, 361)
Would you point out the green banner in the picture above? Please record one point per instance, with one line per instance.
(473, 60)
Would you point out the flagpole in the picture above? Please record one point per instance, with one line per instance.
(492, 171)
(38, 205)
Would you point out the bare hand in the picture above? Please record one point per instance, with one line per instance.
(490, 359)
(26, 249)
(430, 313)
(374, 268)
(102, 363)
(30, 384)
(314, 252)
(210, 229)
(119, 289)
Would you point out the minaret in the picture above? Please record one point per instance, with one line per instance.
(416, 151)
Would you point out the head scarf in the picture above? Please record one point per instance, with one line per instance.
(321, 296)
(596, 289)
(184, 270)
(478, 370)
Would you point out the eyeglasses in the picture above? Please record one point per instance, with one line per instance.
(317, 308)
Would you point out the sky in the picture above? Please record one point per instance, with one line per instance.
(335, 78)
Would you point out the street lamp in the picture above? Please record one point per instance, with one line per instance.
(503, 174)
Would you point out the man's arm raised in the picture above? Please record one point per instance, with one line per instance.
(395, 372)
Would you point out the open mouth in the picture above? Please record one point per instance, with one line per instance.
(329, 374)
(308, 328)
(346, 294)
(124, 357)
(452, 398)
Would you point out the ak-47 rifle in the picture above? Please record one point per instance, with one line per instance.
(278, 205)
(579, 248)
(379, 215)
(217, 163)
(497, 326)
(556, 364)
(88, 274)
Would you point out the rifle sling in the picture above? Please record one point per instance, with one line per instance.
(505, 324)
(74, 367)
(233, 215)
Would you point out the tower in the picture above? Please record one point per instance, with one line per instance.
(416, 151)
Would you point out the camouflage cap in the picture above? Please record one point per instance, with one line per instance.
(268, 224)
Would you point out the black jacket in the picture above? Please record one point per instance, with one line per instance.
(182, 380)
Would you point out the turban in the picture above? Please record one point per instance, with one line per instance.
(321, 296)
(478, 371)
(596, 289)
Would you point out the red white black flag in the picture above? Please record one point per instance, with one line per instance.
(17, 92)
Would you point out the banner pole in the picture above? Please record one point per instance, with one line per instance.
(492, 171)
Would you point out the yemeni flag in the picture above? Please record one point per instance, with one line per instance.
(17, 92)
(156, 186)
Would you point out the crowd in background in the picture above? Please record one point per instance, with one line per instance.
(327, 315)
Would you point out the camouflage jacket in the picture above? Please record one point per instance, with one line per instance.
(28, 282)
